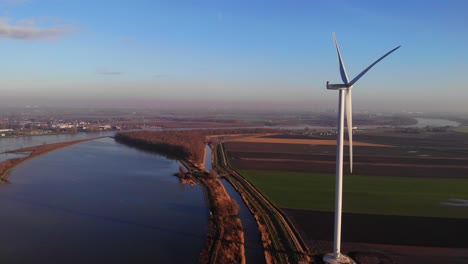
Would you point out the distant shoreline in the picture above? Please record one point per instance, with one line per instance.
(9, 164)
(56, 134)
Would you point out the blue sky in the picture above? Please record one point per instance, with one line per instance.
(226, 52)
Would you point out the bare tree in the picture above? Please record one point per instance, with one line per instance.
(213, 174)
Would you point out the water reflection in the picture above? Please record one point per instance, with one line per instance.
(100, 201)
(7, 156)
(434, 122)
(253, 244)
(12, 143)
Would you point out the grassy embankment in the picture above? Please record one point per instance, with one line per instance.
(225, 238)
(462, 129)
(403, 196)
(7, 165)
(281, 242)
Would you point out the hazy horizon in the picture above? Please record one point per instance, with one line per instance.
(230, 106)
(232, 54)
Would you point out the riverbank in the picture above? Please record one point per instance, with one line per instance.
(225, 238)
(226, 244)
(280, 241)
(35, 151)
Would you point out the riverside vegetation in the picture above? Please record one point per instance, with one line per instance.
(180, 144)
(225, 238)
(225, 242)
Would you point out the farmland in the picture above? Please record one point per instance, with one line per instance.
(326, 142)
(399, 194)
(363, 194)
(427, 156)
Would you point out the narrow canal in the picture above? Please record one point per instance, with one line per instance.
(253, 245)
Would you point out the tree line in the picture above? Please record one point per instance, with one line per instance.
(180, 144)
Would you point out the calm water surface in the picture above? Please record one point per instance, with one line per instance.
(7, 156)
(100, 201)
(12, 143)
(434, 122)
(253, 244)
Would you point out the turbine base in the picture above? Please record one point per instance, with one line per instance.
(337, 258)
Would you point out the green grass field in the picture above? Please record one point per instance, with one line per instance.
(362, 194)
(462, 129)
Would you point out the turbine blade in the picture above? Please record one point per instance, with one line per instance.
(344, 75)
(372, 65)
(349, 123)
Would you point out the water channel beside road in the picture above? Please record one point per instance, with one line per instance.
(253, 244)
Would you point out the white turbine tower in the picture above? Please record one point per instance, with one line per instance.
(344, 101)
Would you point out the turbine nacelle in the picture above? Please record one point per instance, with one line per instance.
(337, 86)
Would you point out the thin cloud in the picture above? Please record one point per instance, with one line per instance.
(107, 72)
(27, 29)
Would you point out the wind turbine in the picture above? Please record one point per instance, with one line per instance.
(344, 101)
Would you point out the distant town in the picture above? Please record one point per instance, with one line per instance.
(26, 121)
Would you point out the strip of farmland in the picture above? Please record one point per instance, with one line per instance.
(327, 142)
(372, 161)
(410, 195)
(383, 229)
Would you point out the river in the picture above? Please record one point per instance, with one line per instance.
(100, 202)
(253, 244)
(12, 143)
(433, 122)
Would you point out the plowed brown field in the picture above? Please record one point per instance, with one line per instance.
(326, 142)
(404, 238)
